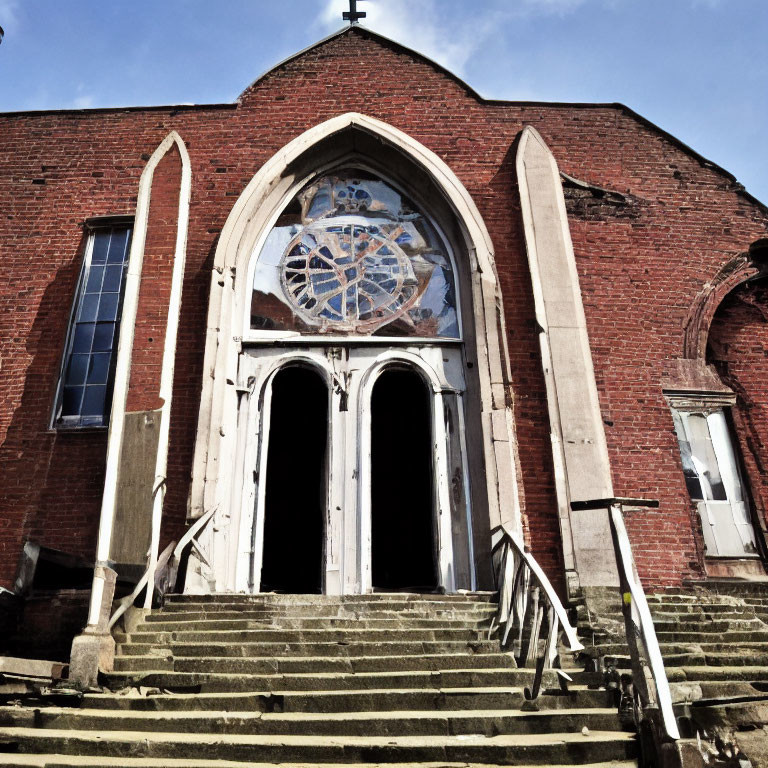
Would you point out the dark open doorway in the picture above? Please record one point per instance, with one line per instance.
(403, 532)
(295, 497)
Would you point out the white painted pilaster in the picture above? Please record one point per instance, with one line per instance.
(579, 449)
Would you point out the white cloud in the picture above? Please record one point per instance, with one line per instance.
(9, 15)
(450, 41)
(565, 7)
(450, 33)
(553, 6)
(83, 100)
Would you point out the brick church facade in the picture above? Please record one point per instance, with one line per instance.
(575, 299)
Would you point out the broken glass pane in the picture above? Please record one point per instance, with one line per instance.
(351, 255)
(102, 337)
(703, 456)
(689, 470)
(713, 479)
(726, 459)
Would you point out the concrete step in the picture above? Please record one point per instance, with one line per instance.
(694, 627)
(696, 658)
(668, 649)
(313, 622)
(691, 598)
(442, 700)
(234, 620)
(597, 746)
(280, 650)
(720, 673)
(274, 598)
(404, 723)
(692, 691)
(724, 638)
(703, 609)
(92, 761)
(417, 610)
(315, 664)
(248, 632)
(734, 658)
(708, 613)
(391, 600)
(327, 681)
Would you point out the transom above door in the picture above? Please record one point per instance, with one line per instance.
(352, 256)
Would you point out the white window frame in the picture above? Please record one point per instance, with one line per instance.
(727, 524)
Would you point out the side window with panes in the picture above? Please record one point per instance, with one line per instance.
(85, 388)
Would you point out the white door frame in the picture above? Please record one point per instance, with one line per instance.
(350, 378)
(441, 492)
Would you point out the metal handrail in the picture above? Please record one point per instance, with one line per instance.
(649, 678)
(526, 599)
(157, 572)
(641, 634)
(163, 572)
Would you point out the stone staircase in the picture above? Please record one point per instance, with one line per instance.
(714, 646)
(231, 681)
(714, 642)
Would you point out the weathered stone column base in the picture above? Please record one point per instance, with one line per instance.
(90, 653)
(94, 649)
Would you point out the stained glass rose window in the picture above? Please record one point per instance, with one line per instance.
(351, 255)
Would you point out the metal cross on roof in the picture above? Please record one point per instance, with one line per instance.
(353, 15)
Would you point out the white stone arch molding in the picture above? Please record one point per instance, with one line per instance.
(252, 214)
(437, 384)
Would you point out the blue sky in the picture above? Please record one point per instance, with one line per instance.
(697, 68)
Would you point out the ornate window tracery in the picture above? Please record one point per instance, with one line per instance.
(351, 255)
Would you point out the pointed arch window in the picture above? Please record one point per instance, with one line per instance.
(352, 255)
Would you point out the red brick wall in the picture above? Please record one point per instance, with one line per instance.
(155, 291)
(738, 347)
(640, 266)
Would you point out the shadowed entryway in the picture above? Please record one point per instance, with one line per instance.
(295, 502)
(403, 532)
